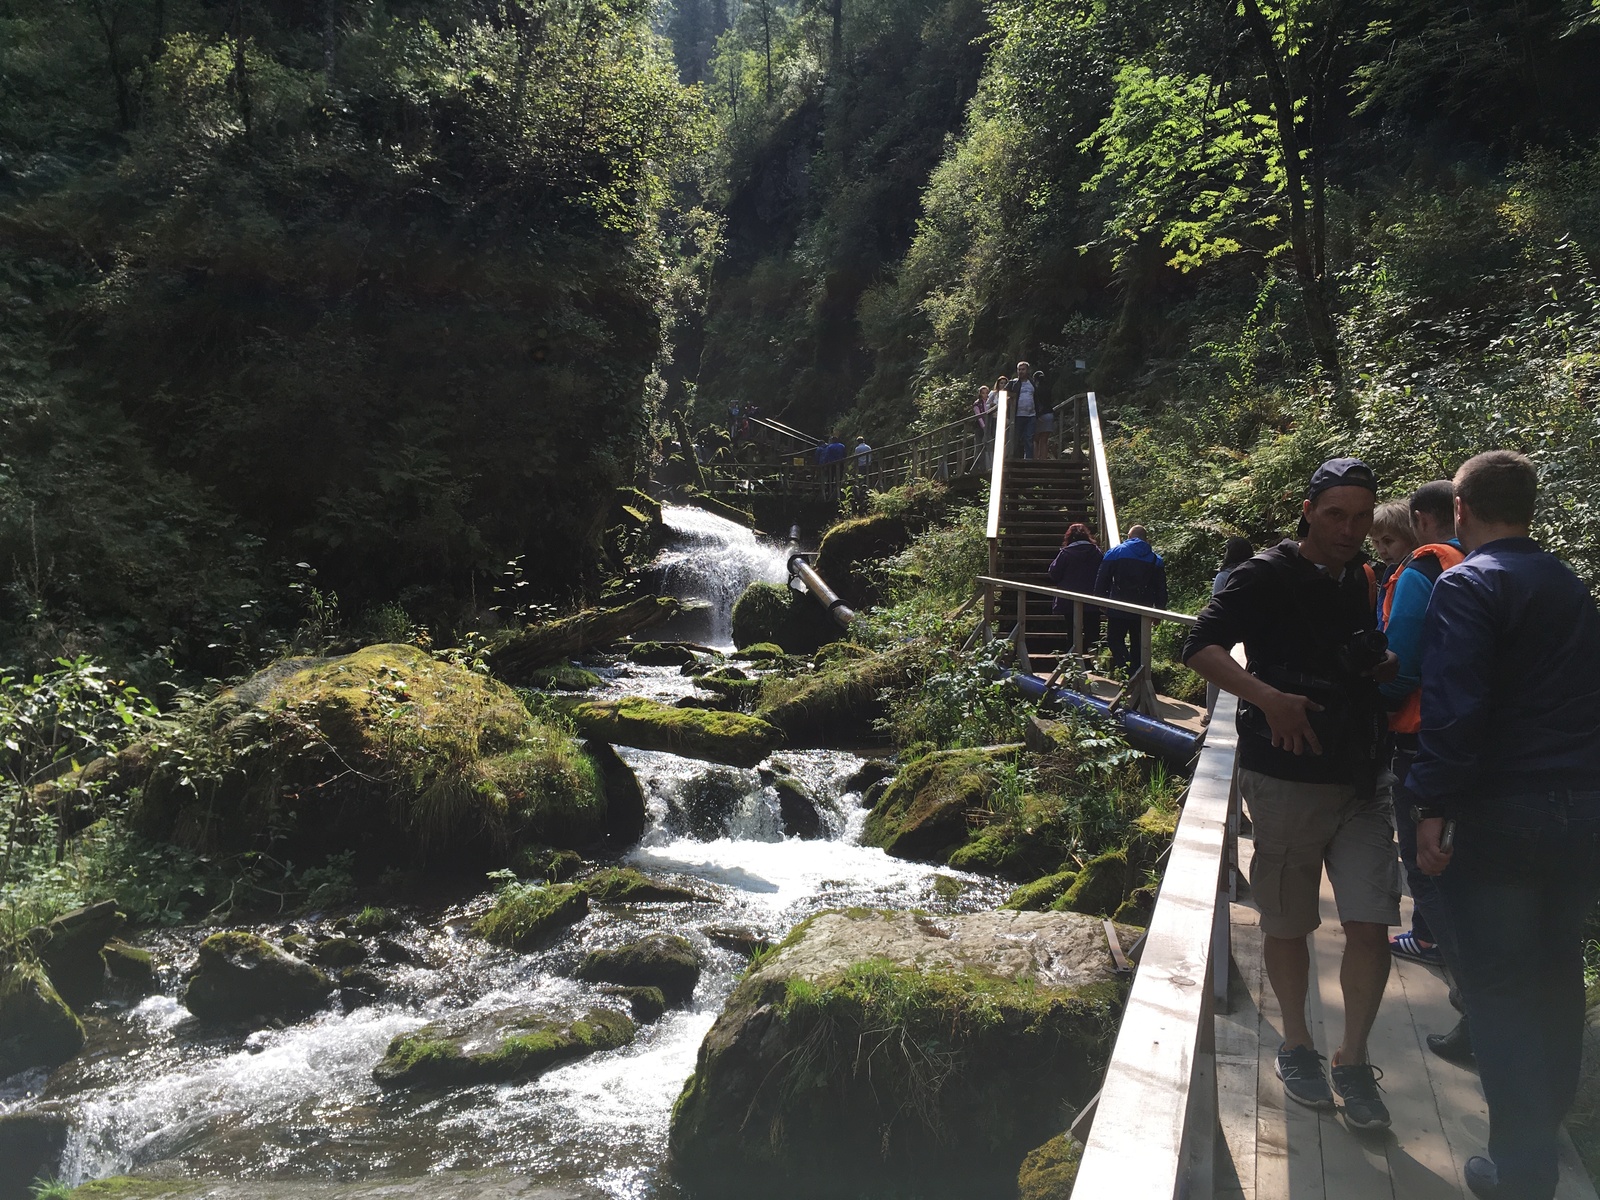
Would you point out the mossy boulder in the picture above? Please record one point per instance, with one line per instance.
(238, 975)
(839, 702)
(764, 652)
(1002, 1023)
(647, 1004)
(1139, 907)
(1050, 1170)
(1100, 887)
(624, 885)
(626, 812)
(1150, 836)
(497, 1048)
(853, 545)
(70, 948)
(387, 752)
(524, 916)
(563, 677)
(732, 738)
(771, 614)
(1041, 893)
(31, 1145)
(659, 654)
(130, 968)
(660, 960)
(922, 815)
(798, 809)
(37, 1029)
(337, 953)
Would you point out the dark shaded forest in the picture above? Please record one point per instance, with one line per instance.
(349, 311)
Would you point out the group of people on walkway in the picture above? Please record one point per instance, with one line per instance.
(1454, 695)
(1032, 422)
(1130, 572)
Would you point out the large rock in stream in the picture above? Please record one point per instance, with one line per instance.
(923, 813)
(723, 737)
(37, 1029)
(387, 752)
(890, 1053)
(497, 1047)
(239, 975)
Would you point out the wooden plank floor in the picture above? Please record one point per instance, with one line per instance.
(1272, 1149)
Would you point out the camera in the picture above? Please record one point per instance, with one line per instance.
(1363, 651)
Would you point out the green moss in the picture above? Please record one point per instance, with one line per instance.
(661, 960)
(548, 788)
(524, 915)
(849, 548)
(477, 1053)
(1050, 1170)
(125, 1187)
(624, 885)
(37, 1029)
(371, 920)
(732, 738)
(769, 614)
(563, 677)
(1041, 893)
(923, 813)
(763, 652)
(547, 864)
(843, 699)
(1099, 888)
(1138, 908)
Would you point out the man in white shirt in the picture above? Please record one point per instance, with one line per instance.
(1025, 395)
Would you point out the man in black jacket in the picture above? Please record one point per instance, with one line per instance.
(1509, 753)
(1311, 742)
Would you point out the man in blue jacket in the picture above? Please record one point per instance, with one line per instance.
(1134, 573)
(1509, 757)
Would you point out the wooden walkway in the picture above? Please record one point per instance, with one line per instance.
(1277, 1150)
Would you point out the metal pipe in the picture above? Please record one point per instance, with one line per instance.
(824, 595)
(1177, 746)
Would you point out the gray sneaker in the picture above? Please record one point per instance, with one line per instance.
(1303, 1080)
(1357, 1085)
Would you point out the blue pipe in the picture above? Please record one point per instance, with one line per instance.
(1177, 747)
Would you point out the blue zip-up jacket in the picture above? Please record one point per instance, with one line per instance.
(1510, 680)
(1133, 573)
(1412, 590)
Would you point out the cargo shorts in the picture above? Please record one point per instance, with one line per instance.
(1299, 828)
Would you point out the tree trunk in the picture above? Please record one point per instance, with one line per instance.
(836, 47)
(525, 651)
(766, 38)
(1302, 220)
(241, 77)
(330, 12)
(119, 73)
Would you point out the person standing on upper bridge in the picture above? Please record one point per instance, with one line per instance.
(983, 411)
(1312, 758)
(1026, 400)
(1508, 753)
(1135, 574)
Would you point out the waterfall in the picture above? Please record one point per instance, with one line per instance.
(711, 560)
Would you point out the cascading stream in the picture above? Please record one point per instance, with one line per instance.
(711, 560)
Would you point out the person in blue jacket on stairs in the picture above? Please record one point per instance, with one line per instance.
(1135, 574)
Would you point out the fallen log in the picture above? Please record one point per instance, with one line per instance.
(517, 654)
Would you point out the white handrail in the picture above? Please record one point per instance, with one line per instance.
(1109, 530)
(1156, 1119)
(1136, 610)
(1001, 416)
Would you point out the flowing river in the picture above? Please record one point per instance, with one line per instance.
(158, 1093)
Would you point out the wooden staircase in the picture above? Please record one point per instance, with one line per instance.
(1040, 498)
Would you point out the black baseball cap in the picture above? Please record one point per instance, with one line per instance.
(1342, 472)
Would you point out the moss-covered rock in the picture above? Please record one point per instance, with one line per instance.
(1138, 908)
(1050, 1170)
(373, 920)
(37, 1029)
(70, 948)
(1150, 836)
(130, 968)
(841, 651)
(523, 916)
(1041, 893)
(660, 960)
(853, 545)
(496, 1048)
(547, 864)
(923, 814)
(770, 614)
(1099, 888)
(732, 738)
(647, 1004)
(659, 654)
(563, 677)
(839, 702)
(337, 953)
(31, 1145)
(1002, 1023)
(764, 652)
(239, 974)
(624, 885)
(797, 808)
(626, 813)
(386, 752)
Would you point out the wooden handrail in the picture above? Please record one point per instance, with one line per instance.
(1134, 610)
(1110, 533)
(1155, 1121)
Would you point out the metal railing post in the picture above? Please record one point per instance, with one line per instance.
(1024, 662)
(1077, 628)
